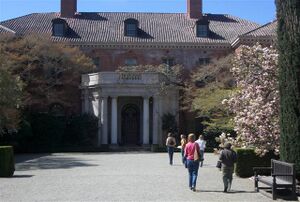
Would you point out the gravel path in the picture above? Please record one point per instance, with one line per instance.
(117, 177)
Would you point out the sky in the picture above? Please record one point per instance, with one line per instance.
(259, 11)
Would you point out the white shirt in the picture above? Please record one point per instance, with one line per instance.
(202, 144)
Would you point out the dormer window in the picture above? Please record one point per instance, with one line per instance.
(202, 28)
(59, 27)
(131, 27)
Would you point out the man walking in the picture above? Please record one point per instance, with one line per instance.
(202, 144)
(228, 158)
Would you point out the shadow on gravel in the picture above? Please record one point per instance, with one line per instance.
(52, 162)
(230, 192)
(19, 158)
(22, 176)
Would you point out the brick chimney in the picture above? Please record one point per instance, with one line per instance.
(194, 9)
(68, 8)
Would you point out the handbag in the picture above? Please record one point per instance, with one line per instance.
(219, 164)
(196, 155)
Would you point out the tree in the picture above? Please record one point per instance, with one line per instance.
(288, 15)
(51, 71)
(256, 103)
(10, 100)
(208, 86)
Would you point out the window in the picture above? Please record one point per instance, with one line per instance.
(57, 109)
(96, 62)
(58, 30)
(59, 27)
(131, 27)
(202, 28)
(131, 30)
(130, 62)
(203, 61)
(168, 61)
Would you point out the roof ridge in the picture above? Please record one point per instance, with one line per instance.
(7, 29)
(259, 27)
(18, 17)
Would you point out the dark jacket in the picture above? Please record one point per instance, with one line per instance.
(228, 157)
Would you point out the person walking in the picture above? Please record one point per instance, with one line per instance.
(170, 143)
(192, 164)
(202, 144)
(228, 157)
(183, 142)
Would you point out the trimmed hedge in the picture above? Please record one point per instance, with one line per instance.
(247, 159)
(7, 163)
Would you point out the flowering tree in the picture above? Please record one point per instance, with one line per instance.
(256, 103)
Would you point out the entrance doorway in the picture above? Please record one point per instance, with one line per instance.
(130, 127)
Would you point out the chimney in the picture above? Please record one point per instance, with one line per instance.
(194, 9)
(68, 8)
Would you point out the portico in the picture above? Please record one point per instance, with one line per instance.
(129, 106)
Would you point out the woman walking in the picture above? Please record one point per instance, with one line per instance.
(170, 143)
(183, 142)
(192, 164)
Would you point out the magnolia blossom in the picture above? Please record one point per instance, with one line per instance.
(256, 104)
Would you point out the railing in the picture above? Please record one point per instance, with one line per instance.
(104, 78)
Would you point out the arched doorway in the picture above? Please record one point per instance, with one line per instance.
(130, 127)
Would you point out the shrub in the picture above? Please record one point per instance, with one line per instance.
(247, 159)
(7, 165)
(211, 133)
(81, 130)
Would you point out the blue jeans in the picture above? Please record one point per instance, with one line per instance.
(183, 158)
(171, 152)
(193, 167)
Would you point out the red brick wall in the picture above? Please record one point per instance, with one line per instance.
(194, 8)
(111, 59)
(68, 8)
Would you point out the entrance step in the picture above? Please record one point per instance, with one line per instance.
(129, 148)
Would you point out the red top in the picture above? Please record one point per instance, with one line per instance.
(190, 149)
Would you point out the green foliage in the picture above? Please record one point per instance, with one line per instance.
(82, 130)
(51, 71)
(207, 88)
(247, 159)
(10, 100)
(47, 133)
(213, 132)
(169, 123)
(288, 15)
(7, 165)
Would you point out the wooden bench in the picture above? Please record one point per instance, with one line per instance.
(283, 175)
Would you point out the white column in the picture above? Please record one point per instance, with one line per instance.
(114, 121)
(146, 121)
(156, 118)
(104, 120)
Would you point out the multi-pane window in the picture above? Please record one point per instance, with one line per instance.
(202, 30)
(131, 29)
(203, 61)
(96, 61)
(168, 61)
(58, 29)
(130, 62)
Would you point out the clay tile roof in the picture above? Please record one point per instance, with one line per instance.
(5, 30)
(108, 27)
(268, 29)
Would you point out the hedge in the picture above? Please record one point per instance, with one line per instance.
(247, 159)
(7, 163)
